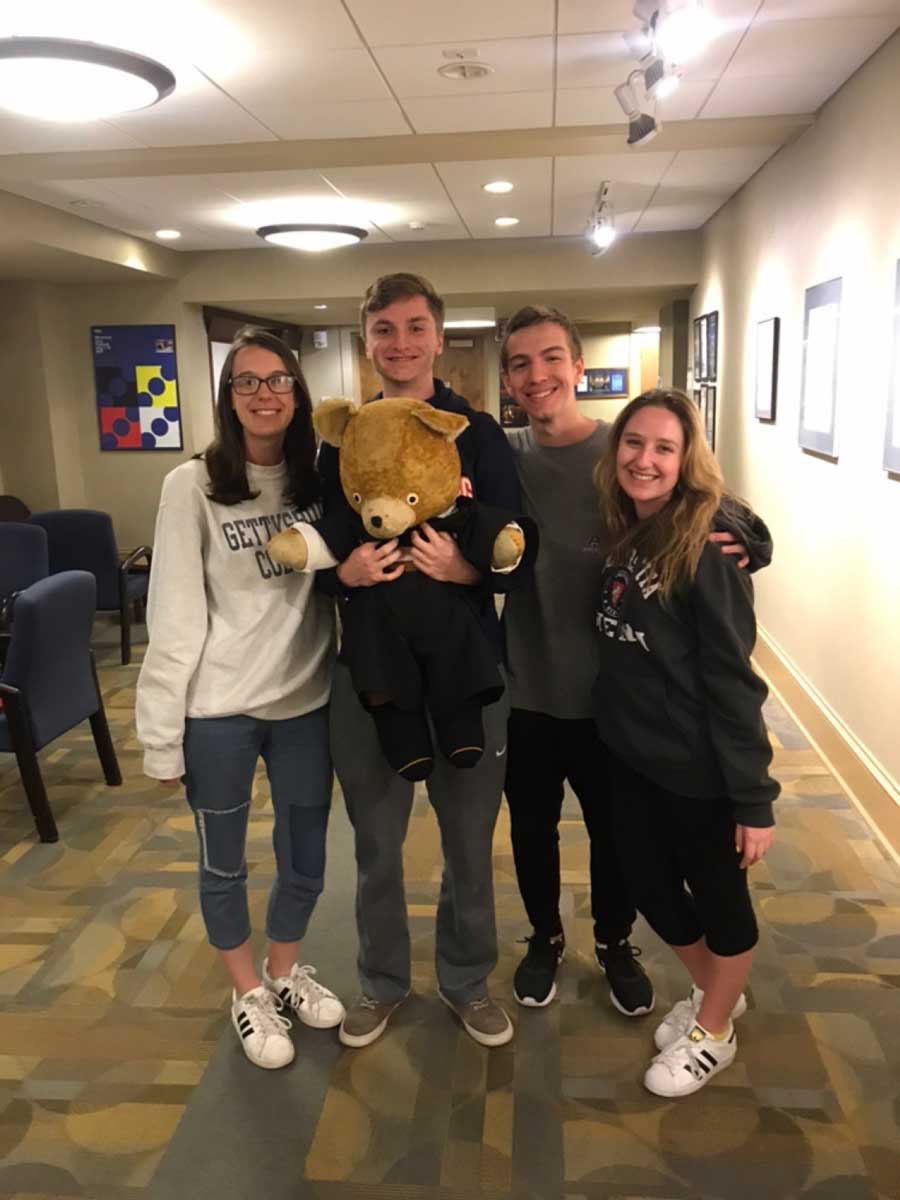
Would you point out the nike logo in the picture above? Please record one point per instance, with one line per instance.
(500, 753)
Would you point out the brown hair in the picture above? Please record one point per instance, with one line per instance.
(540, 314)
(400, 286)
(225, 458)
(675, 537)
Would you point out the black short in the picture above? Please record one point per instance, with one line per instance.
(678, 856)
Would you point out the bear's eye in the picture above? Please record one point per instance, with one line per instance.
(356, 497)
(412, 498)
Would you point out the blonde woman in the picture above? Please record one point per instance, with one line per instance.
(679, 707)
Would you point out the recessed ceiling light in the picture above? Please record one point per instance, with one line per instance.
(320, 306)
(499, 187)
(465, 70)
(60, 79)
(416, 225)
(503, 222)
(313, 238)
(168, 235)
(648, 329)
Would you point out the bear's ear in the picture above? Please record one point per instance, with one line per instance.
(331, 419)
(448, 424)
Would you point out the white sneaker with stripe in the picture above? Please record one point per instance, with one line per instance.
(690, 1063)
(313, 1003)
(261, 1028)
(682, 1015)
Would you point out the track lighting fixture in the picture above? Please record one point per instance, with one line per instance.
(601, 228)
(642, 125)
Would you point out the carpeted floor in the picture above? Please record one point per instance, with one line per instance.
(120, 1076)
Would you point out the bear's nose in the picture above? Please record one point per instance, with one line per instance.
(376, 521)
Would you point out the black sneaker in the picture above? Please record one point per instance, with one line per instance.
(534, 983)
(630, 988)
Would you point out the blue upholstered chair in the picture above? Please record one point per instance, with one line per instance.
(81, 539)
(23, 556)
(48, 682)
(13, 509)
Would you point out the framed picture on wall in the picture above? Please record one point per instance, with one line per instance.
(704, 350)
(892, 433)
(712, 345)
(709, 416)
(818, 393)
(697, 340)
(136, 387)
(767, 337)
(602, 382)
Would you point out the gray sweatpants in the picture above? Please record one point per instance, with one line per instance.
(379, 802)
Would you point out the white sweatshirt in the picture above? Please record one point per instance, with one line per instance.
(231, 632)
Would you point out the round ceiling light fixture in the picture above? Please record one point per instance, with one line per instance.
(313, 238)
(499, 187)
(168, 235)
(505, 222)
(60, 79)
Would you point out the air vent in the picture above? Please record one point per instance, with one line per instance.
(465, 70)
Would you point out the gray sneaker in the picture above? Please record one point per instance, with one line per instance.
(483, 1019)
(365, 1021)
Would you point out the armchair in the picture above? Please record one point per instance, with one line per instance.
(81, 539)
(48, 683)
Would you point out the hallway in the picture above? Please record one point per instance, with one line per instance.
(122, 1079)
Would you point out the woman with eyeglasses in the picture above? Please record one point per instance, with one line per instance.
(239, 667)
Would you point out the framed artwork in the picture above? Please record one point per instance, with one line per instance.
(697, 375)
(704, 349)
(712, 345)
(818, 393)
(892, 433)
(767, 336)
(709, 415)
(136, 387)
(600, 382)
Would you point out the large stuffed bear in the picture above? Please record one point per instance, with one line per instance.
(411, 644)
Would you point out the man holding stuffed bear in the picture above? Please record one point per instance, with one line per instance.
(402, 324)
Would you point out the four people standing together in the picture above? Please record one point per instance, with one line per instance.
(586, 685)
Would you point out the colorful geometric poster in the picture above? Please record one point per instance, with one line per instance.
(136, 381)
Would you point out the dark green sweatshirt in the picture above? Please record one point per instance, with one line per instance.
(676, 697)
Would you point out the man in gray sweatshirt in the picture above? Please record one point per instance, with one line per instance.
(553, 664)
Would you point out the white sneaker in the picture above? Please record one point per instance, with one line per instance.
(313, 1003)
(263, 1031)
(689, 1063)
(682, 1015)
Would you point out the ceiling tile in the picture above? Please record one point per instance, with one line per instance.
(517, 63)
(719, 169)
(197, 113)
(588, 106)
(22, 135)
(839, 44)
(592, 60)
(270, 24)
(679, 210)
(787, 10)
(590, 16)
(407, 22)
(398, 195)
(633, 178)
(529, 201)
(512, 110)
(294, 78)
(769, 96)
(325, 119)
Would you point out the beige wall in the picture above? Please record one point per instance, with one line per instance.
(825, 207)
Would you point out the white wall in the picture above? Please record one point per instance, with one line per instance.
(826, 206)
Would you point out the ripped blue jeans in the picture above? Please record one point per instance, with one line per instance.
(220, 755)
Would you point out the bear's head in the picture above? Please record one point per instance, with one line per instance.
(399, 464)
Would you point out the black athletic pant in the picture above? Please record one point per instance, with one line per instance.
(543, 752)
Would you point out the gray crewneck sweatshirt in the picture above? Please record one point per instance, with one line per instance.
(550, 636)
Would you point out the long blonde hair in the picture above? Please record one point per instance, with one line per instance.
(674, 538)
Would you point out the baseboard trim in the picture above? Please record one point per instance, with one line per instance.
(867, 784)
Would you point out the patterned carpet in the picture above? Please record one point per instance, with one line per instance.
(114, 1024)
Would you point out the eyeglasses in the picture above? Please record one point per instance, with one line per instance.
(248, 385)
